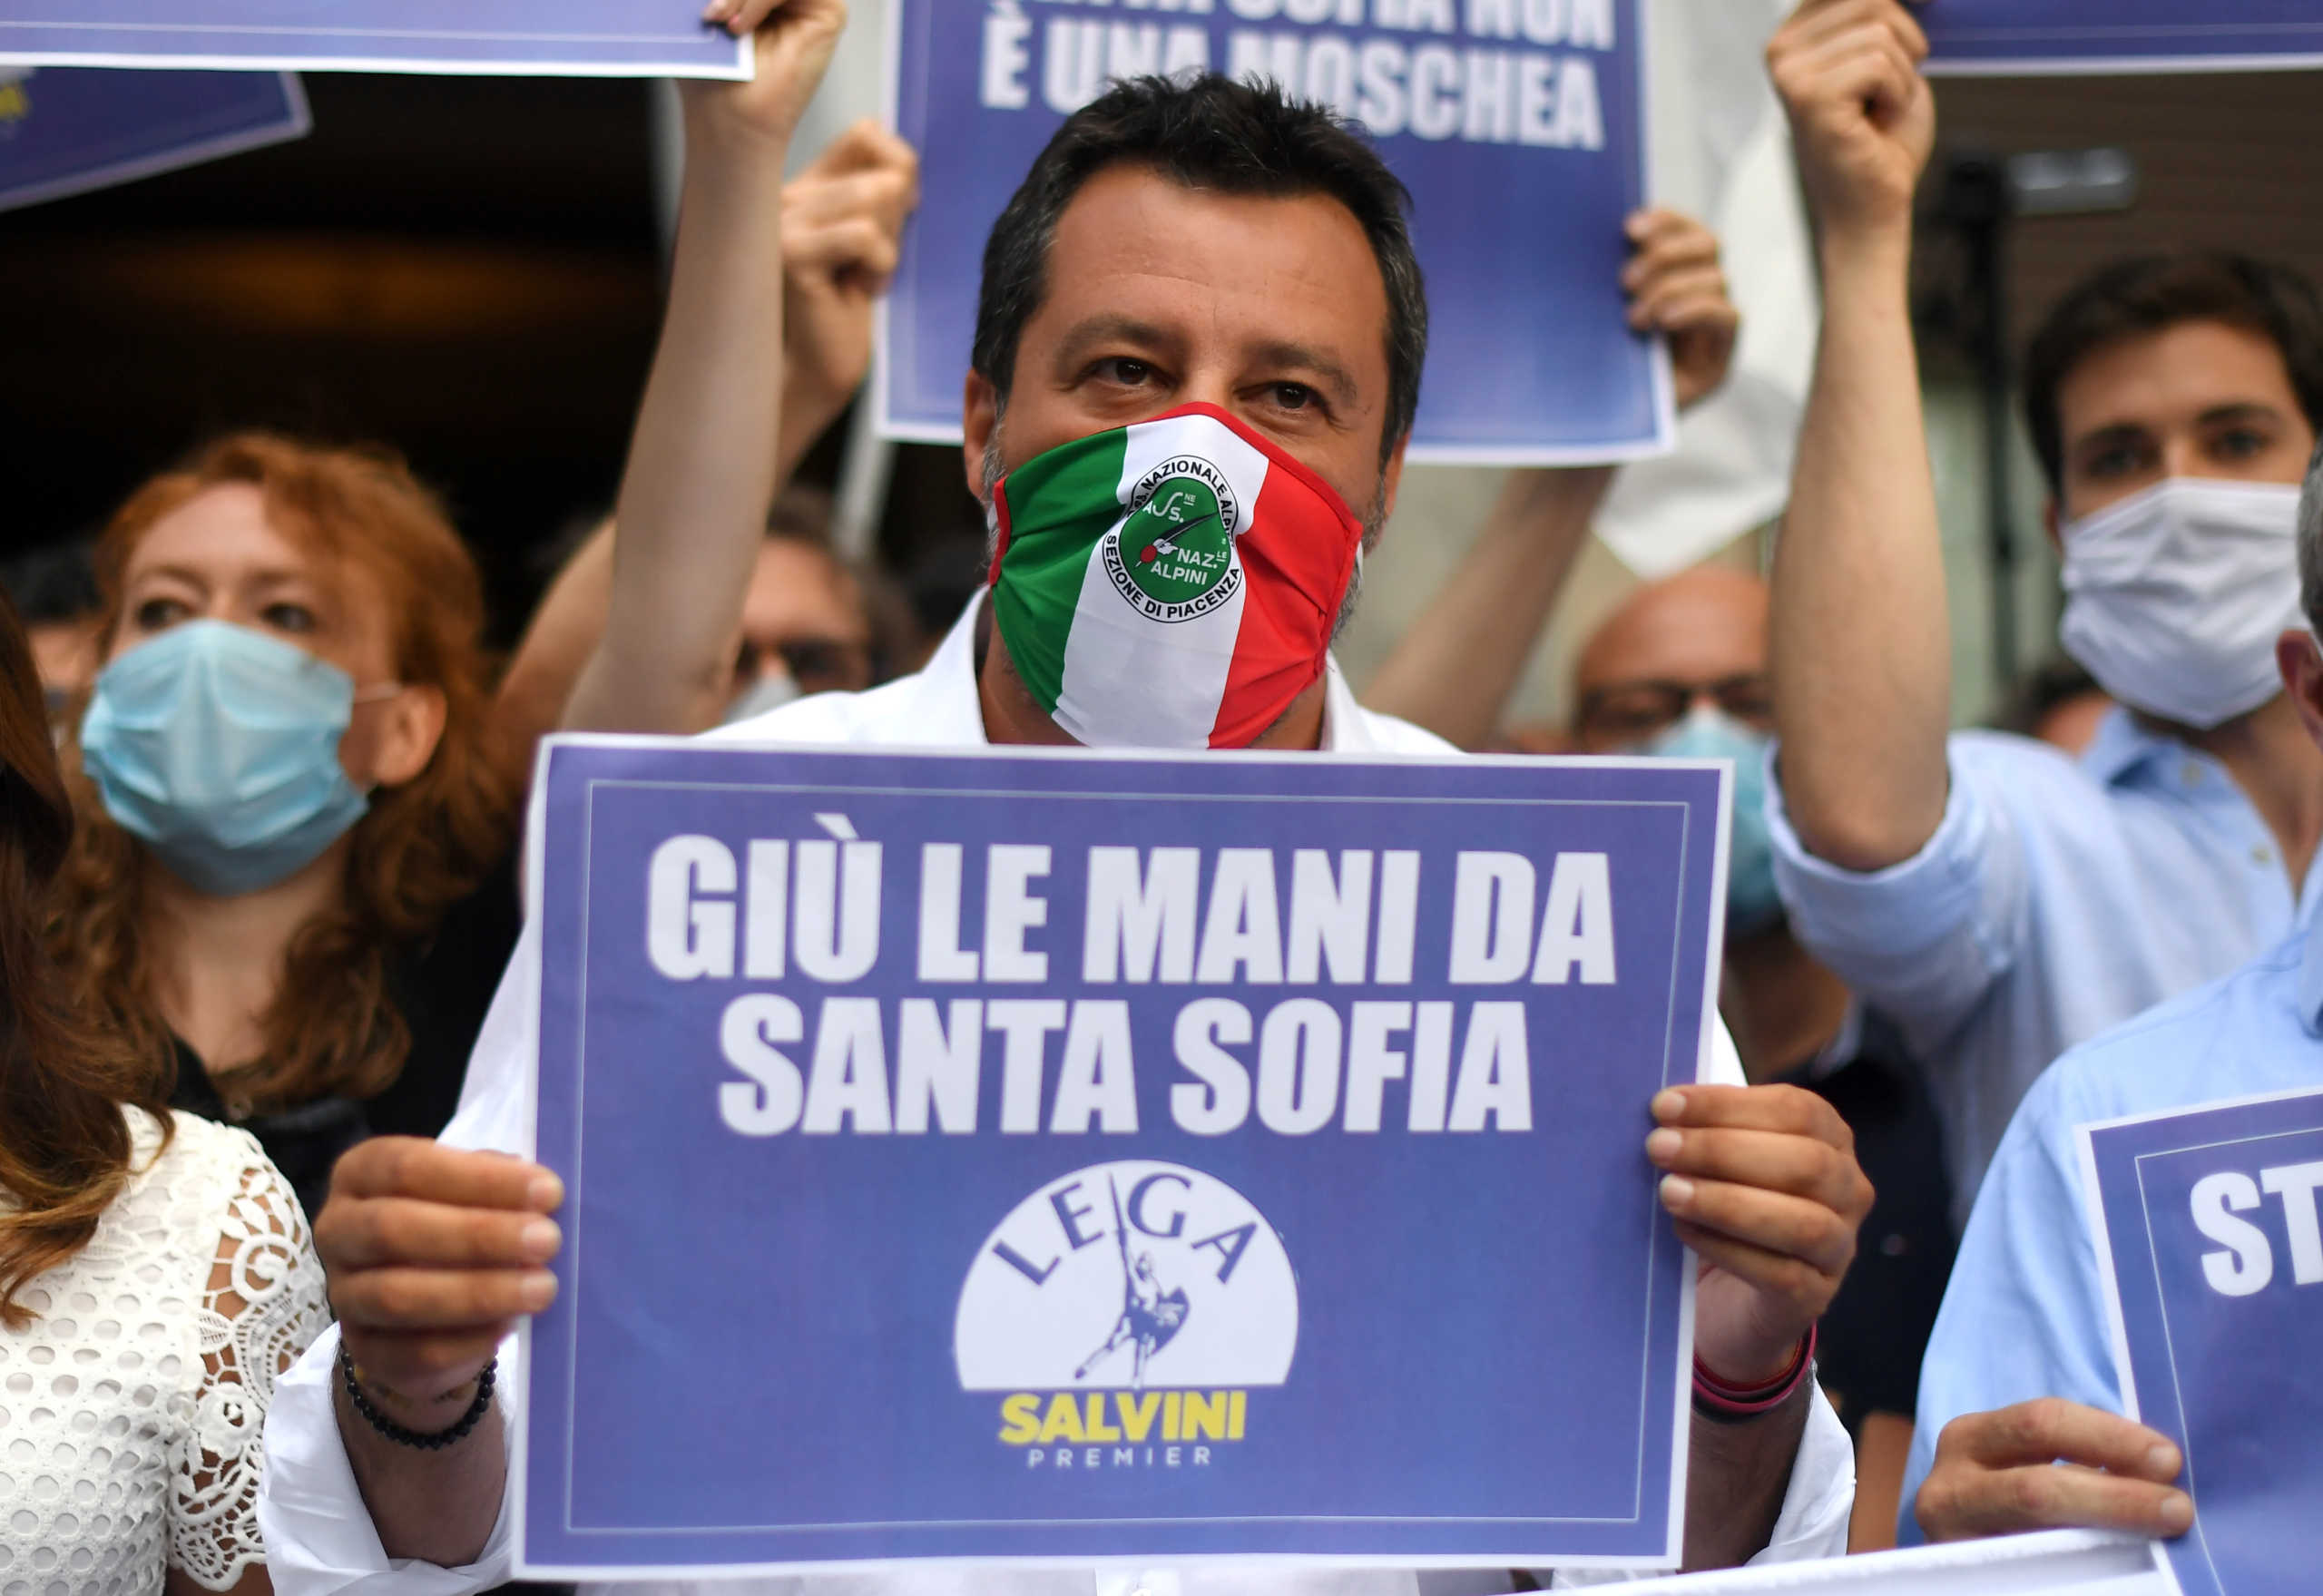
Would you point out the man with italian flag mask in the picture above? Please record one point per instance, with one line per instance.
(1196, 363)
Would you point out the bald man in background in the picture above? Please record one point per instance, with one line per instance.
(1679, 672)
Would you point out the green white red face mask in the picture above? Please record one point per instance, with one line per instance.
(1171, 584)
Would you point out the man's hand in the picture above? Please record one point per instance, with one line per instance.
(433, 1254)
(1862, 117)
(1764, 1186)
(1678, 288)
(842, 224)
(795, 39)
(1996, 1473)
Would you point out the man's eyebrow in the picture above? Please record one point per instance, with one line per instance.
(2240, 410)
(2119, 432)
(1107, 328)
(2116, 431)
(1300, 357)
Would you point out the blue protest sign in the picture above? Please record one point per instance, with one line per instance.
(1009, 1157)
(64, 132)
(2001, 37)
(570, 38)
(2207, 1237)
(1518, 128)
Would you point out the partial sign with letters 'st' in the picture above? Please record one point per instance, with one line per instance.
(1012, 1157)
(2211, 1246)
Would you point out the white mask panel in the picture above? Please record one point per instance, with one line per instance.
(2174, 597)
(768, 693)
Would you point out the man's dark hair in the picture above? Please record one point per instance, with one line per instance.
(2051, 685)
(2310, 544)
(1220, 134)
(2149, 293)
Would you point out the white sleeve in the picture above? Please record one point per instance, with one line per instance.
(1815, 1507)
(319, 1534)
(1821, 1499)
(1725, 1058)
(496, 1100)
(262, 1305)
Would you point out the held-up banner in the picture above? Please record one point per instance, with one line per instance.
(2003, 37)
(1518, 124)
(65, 131)
(2052, 1563)
(567, 38)
(2210, 1245)
(1008, 1158)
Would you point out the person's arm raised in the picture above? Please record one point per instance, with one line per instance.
(1456, 665)
(1861, 648)
(842, 223)
(702, 464)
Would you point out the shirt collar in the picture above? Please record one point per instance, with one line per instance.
(2310, 981)
(949, 705)
(2122, 746)
(1345, 729)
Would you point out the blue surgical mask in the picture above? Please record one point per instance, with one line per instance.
(1710, 733)
(218, 747)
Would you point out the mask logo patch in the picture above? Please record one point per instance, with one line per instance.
(1172, 556)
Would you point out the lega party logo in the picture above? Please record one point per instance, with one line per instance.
(1124, 1313)
(1172, 556)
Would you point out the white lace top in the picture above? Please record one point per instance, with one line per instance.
(131, 1410)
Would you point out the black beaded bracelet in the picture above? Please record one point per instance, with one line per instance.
(415, 1438)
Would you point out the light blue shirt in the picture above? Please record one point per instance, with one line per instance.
(2026, 1314)
(2058, 899)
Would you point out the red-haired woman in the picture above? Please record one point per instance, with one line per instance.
(293, 873)
(156, 1274)
(295, 877)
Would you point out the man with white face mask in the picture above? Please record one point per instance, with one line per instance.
(2000, 900)
(2020, 1374)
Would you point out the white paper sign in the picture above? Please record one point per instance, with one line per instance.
(2062, 1562)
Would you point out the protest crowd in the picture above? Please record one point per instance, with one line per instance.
(268, 1221)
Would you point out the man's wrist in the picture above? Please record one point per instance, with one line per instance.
(1865, 251)
(718, 144)
(420, 1414)
(1720, 1398)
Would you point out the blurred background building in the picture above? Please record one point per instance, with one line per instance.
(468, 270)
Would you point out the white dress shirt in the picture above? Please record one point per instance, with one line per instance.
(319, 1537)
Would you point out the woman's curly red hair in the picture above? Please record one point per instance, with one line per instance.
(333, 1028)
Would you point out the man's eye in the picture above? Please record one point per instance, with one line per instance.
(1126, 372)
(1294, 395)
(2108, 463)
(2241, 443)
